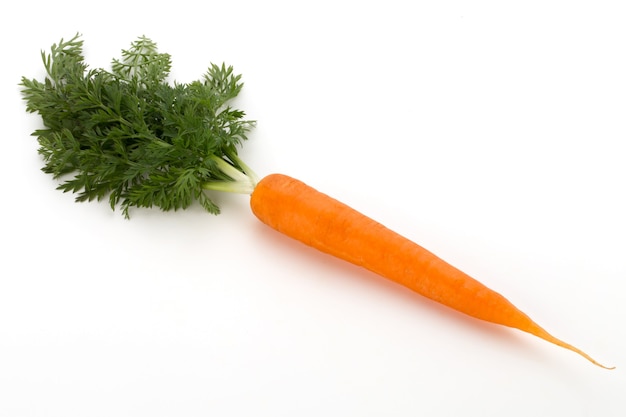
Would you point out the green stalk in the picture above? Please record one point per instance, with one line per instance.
(241, 182)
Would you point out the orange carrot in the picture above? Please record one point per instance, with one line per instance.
(303, 213)
(128, 134)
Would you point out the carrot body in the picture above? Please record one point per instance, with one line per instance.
(303, 213)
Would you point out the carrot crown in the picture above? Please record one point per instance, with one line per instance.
(129, 135)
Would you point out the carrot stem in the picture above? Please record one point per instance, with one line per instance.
(242, 181)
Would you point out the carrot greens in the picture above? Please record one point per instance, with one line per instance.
(130, 135)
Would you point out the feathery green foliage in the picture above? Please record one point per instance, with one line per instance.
(129, 135)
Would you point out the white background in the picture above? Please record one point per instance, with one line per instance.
(491, 134)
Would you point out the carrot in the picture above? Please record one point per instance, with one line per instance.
(130, 135)
(315, 219)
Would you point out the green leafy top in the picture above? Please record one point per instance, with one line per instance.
(130, 135)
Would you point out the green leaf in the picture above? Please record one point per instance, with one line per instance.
(129, 134)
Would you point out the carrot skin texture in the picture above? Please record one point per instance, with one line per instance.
(299, 211)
